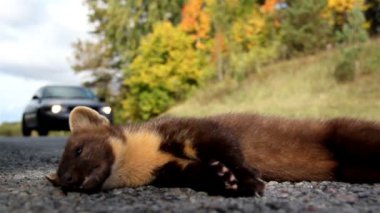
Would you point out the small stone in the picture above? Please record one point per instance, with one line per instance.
(347, 198)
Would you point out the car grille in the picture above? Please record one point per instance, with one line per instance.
(70, 108)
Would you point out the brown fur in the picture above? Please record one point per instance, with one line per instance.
(137, 159)
(181, 152)
(296, 150)
(284, 150)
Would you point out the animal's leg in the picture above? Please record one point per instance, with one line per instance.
(212, 177)
(222, 151)
(205, 142)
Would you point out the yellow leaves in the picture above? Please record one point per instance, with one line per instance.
(338, 10)
(165, 70)
(247, 31)
(343, 6)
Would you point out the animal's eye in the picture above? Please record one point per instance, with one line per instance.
(78, 150)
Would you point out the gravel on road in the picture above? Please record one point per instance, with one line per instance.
(25, 162)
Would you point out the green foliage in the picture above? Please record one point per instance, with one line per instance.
(245, 38)
(351, 34)
(122, 24)
(155, 52)
(255, 41)
(224, 14)
(245, 63)
(304, 29)
(353, 31)
(346, 67)
(118, 28)
(165, 70)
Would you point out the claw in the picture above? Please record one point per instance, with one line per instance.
(261, 180)
(224, 169)
(233, 178)
(233, 186)
(215, 163)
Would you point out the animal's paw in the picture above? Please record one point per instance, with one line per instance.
(228, 178)
(251, 182)
(238, 182)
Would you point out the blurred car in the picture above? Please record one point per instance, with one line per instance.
(50, 107)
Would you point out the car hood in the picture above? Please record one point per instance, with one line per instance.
(73, 102)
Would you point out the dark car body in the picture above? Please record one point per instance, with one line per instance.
(50, 107)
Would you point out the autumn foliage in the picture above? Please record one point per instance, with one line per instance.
(343, 6)
(339, 10)
(196, 22)
(162, 50)
(269, 6)
(165, 70)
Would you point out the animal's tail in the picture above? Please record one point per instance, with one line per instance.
(356, 145)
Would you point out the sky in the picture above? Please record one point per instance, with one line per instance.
(36, 39)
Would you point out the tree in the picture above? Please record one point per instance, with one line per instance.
(119, 26)
(223, 14)
(373, 16)
(166, 69)
(353, 34)
(96, 58)
(196, 21)
(339, 10)
(255, 41)
(304, 29)
(122, 23)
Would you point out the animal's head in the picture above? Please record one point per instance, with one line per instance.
(87, 159)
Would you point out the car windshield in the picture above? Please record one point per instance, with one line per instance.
(68, 93)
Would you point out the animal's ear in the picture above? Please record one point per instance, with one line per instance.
(83, 117)
(53, 178)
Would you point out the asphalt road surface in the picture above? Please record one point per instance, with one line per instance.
(25, 161)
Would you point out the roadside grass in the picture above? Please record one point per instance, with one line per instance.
(11, 129)
(302, 87)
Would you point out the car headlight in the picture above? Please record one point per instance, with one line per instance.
(56, 109)
(106, 110)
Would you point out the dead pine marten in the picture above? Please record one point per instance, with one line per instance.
(229, 155)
